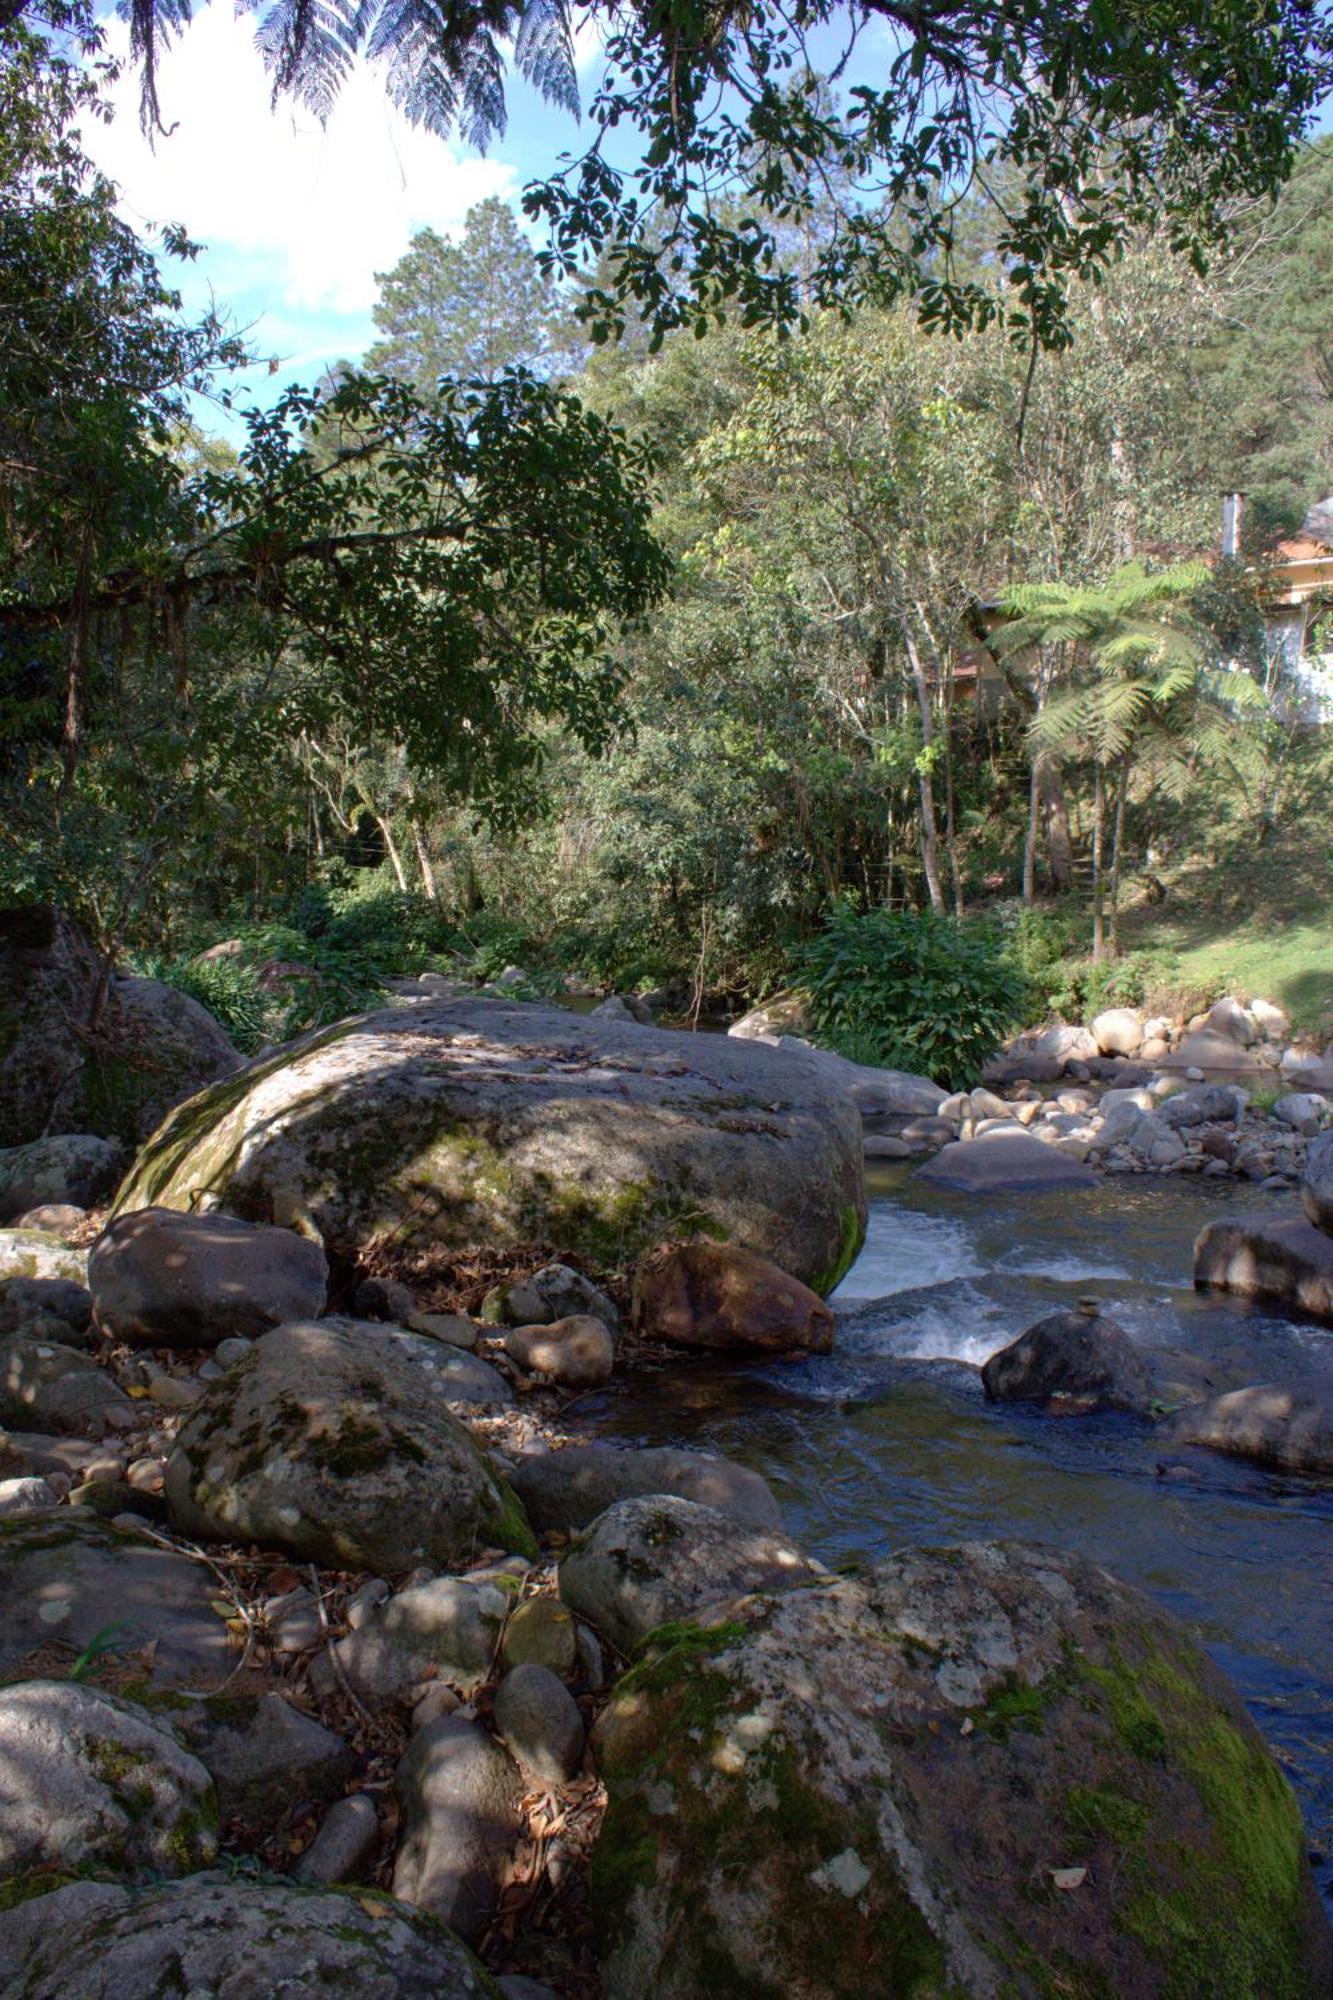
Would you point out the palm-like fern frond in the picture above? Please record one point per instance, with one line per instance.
(445, 62)
(153, 23)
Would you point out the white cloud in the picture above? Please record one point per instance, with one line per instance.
(296, 218)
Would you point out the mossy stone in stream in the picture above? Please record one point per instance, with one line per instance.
(877, 1783)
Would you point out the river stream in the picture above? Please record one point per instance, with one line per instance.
(889, 1441)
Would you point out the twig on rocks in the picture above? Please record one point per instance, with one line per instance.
(338, 1673)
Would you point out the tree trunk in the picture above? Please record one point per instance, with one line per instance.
(395, 858)
(1030, 837)
(1098, 910)
(1055, 810)
(930, 839)
(1117, 840)
(950, 824)
(423, 860)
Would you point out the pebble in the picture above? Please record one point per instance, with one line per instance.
(174, 1392)
(434, 1699)
(363, 1601)
(146, 1474)
(293, 1622)
(235, 1348)
(341, 1850)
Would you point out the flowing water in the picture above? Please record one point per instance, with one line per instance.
(889, 1441)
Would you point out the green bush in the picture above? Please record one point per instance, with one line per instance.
(911, 990)
(1080, 988)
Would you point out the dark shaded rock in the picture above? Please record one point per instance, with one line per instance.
(1291, 1261)
(1004, 1163)
(526, 1123)
(71, 1169)
(1317, 1183)
(718, 1296)
(537, 1719)
(383, 1298)
(344, 1849)
(867, 1787)
(57, 1388)
(333, 1439)
(270, 1758)
(461, 1796)
(1072, 1358)
(228, 1938)
(1205, 1104)
(160, 1278)
(568, 1489)
(1288, 1425)
(70, 1577)
(23, 1300)
(85, 1052)
(647, 1561)
(449, 1627)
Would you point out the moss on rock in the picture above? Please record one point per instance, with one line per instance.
(813, 1800)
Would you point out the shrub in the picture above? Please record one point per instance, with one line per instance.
(911, 990)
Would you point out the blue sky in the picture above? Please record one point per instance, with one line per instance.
(295, 220)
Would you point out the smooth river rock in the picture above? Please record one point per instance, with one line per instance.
(333, 1440)
(1287, 1425)
(88, 1779)
(1004, 1163)
(482, 1121)
(569, 1488)
(1288, 1260)
(981, 1770)
(646, 1561)
(160, 1278)
(1073, 1360)
(718, 1297)
(461, 1797)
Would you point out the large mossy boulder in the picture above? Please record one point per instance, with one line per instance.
(229, 1939)
(461, 1121)
(84, 1051)
(334, 1440)
(989, 1769)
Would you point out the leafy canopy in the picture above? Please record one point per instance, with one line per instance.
(1082, 121)
(470, 308)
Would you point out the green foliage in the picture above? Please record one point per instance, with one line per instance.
(921, 992)
(103, 1641)
(1079, 988)
(470, 308)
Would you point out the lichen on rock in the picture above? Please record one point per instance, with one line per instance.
(869, 1785)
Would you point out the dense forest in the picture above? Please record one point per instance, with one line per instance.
(634, 661)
